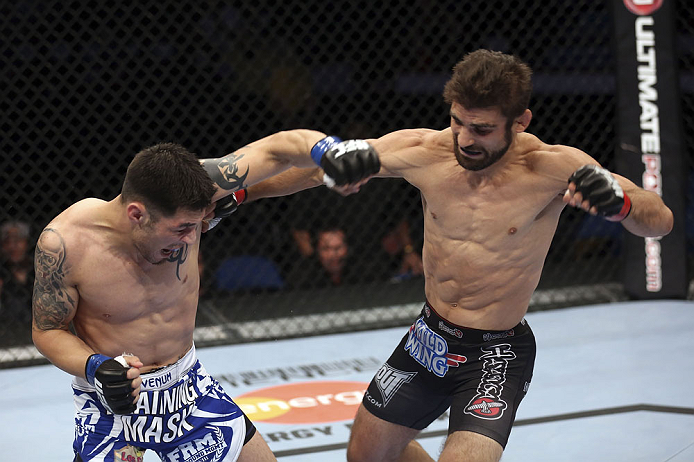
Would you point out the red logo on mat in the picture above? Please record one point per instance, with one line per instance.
(643, 7)
(303, 403)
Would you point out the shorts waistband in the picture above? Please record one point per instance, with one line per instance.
(468, 334)
(160, 379)
(157, 379)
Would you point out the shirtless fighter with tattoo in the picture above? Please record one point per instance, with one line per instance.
(116, 295)
(491, 195)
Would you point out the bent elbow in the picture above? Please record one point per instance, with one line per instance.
(664, 225)
(37, 339)
(669, 222)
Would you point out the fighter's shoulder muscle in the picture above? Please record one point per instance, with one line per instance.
(555, 161)
(410, 148)
(71, 227)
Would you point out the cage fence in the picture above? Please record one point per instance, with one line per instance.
(89, 84)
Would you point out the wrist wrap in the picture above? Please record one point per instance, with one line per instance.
(323, 146)
(92, 364)
(624, 212)
(240, 196)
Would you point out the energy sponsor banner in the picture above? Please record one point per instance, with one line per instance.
(304, 407)
(650, 147)
(302, 394)
(303, 402)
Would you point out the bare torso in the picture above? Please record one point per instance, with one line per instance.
(485, 235)
(126, 306)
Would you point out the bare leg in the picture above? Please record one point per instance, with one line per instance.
(375, 440)
(414, 452)
(470, 447)
(256, 450)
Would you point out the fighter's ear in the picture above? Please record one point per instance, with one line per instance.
(522, 122)
(137, 212)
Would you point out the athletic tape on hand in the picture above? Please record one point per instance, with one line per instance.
(213, 222)
(328, 181)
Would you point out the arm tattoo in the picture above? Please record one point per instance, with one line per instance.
(225, 172)
(52, 306)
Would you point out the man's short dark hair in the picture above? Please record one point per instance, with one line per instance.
(167, 177)
(485, 79)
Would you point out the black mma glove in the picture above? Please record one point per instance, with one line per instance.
(602, 191)
(114, 388)
(226, 206)
(345, 162)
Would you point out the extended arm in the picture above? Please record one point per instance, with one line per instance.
(286, 183)
(346, 162)
(397, 151)
(261, 159)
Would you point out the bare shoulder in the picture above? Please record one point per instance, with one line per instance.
(80, 213)
(71, 227)
(411, 137)
(409, 149)
(553, 160)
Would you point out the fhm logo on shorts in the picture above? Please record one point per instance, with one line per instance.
(210, 447)
(389, 381)
(487, 403)
(430, 349)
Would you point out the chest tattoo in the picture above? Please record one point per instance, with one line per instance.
(179, 256)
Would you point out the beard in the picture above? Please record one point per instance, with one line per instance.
(487, 157)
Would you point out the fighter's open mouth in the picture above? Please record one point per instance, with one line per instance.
(472, 153)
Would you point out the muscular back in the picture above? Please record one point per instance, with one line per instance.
(86, 273)
(486, 233)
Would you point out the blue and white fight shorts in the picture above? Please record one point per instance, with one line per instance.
(182, 414)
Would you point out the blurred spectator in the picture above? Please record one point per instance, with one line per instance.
(329, 263)
(332, 251)
(398, 245)
(16, 279)
(395, 260)
(384, 236)
(302, 239)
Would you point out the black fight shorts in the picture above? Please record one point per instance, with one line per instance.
(481, 375)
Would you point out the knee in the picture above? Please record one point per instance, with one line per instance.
(353, 452)
(360, 453)
(365, 453)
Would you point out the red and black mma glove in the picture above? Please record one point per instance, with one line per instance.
(113, 387)
(226, 206)
(345, 162)
(602, 191)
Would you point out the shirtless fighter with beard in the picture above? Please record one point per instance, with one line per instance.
(491, 196)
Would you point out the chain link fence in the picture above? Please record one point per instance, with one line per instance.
(87, 84)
